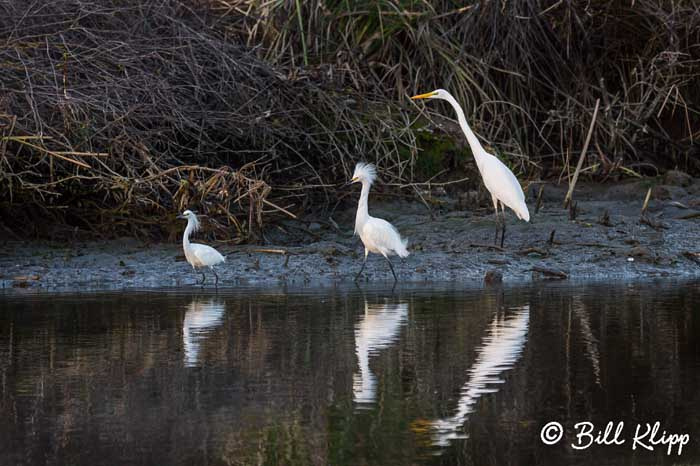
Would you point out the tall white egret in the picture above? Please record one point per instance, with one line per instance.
(378, 235)
(501, 349)
(498, 178)
(199, 255)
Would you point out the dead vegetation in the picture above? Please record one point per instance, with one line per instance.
(528, 73)
(114, 115)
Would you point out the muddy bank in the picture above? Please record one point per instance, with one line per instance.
(607, 238)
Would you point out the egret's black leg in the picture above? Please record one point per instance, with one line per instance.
(498, 222)
(364, 262)
(503, 231)
(357, 277)
(392, 268)
(216, 282)
(204, 277)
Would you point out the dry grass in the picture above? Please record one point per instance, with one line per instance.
(114, 115)
(527, 72)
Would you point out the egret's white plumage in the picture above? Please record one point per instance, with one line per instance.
(201, 318)
(501, 349)
(377, 235)
(199, 255)
(498, 179)
(377, 329)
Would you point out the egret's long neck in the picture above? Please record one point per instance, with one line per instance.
(362, 209)
(473, 141)
(188, 231)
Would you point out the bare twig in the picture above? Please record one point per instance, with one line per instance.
(646, 202)
(572, 184)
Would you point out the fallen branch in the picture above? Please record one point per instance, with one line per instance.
(533, 250)
(693, 256)
(598, 245)
(553, 273)
(680, 205)
(655, 224)
(487, 246)
(688, 216)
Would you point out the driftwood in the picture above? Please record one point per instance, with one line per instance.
(693, 256)
(549, 272)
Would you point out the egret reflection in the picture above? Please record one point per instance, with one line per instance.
(378, 328)
(589, 340)
(501, 348)
(201, 318)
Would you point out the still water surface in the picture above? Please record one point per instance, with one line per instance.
(424, 375)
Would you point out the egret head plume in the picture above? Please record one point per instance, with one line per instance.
(364, 173)
(191, 217)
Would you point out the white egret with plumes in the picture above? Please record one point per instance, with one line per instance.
(199, 256)
(377, 235)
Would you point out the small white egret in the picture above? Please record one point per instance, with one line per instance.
(199, 255)
(378, 235)
(378, 329)
(498, 178)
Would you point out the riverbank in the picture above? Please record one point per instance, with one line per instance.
(608, 238)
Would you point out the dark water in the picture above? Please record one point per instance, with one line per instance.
(436, 375)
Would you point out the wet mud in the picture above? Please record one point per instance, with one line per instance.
(606, 236)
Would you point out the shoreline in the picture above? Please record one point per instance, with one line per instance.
(455, 246)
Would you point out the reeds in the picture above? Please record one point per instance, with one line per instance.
(114, 115)
(528, 72)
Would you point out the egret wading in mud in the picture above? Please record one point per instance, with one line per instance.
(199, 255)
(377, 235)
(498, 179)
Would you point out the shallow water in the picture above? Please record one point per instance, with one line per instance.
(430, 375)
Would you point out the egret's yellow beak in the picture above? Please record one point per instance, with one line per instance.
(423, 96)
(354, 180)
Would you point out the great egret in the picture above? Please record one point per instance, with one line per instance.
(199, 255)
(378, 235)
(498, 178)
(502, 347)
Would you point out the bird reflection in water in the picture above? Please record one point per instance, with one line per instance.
(201, 318)
(377, 329)
(500, 350)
